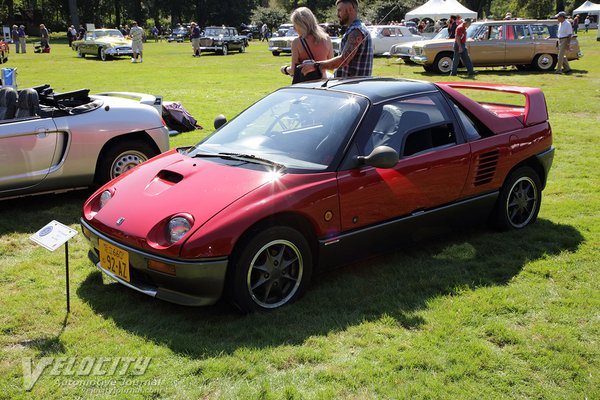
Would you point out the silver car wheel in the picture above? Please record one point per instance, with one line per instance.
(225, 50)
(443, 64)
(125, 161)
(102, 54)
(544, 62)
(522, 202)
(80, 53)
(275, 274)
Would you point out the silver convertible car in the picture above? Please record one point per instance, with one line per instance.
(53, 142)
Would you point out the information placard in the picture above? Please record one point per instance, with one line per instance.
(53, 235)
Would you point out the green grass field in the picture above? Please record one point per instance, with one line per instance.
(475, 314)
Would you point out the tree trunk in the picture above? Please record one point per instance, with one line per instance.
(74, 13)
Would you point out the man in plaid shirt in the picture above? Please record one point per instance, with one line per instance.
(356, 58)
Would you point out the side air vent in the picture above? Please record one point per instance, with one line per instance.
(486, 167)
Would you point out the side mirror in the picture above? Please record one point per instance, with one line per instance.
(380, 157)
(219, 121)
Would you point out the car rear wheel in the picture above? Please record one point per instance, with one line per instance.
(242, 48)
(102, 54)
(443, 63)
(121, 157)
(519, 201)
(224, 50)
(276, 53)
(545, 62)
(80, 53)
(272, 270)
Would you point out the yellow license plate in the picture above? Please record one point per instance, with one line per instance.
(114, 259)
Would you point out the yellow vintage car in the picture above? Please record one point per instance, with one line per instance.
(103, 43)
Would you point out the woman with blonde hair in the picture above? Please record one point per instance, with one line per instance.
(313, 43)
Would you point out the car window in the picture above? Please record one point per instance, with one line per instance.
(407, 124)
(297, 128)
(468, 125)
(521, 32)
(540, 31)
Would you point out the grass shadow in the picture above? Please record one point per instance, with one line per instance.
(393, 285)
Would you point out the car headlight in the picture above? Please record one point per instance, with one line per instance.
(177, 228)
(105, 197)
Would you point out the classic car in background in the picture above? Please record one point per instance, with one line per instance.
(282, 30)
(315, 175)
(103, 43)
(384, 37)
(179, 34)
(527, 44)
(250, 31)
(221, 39)
(282, 44)
(51, 142)
(404, 51)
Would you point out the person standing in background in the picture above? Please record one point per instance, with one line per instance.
(565, 32)
(22, 39)
(14, 34)
(137, 39)
(311, 39)
(461, 52)
(195, 35)
(44, 37)
(356, 58)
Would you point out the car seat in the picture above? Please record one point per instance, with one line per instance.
(386, 128)
(8, 103)
(28, 104)
(412, 121)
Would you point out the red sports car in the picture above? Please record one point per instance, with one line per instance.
(313, 175)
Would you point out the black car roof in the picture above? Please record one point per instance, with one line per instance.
(375, 89)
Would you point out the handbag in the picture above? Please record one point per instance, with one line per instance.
(311, 76)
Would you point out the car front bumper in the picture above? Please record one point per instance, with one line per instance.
(419, 59)
(281, 49)
(193, 282)
(119, 51)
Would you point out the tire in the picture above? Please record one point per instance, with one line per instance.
(519, 201)
(443, 63)
(121, 157)
(273, 269)
(276, 53)
(80, 53)
(224, 50)
(3, 58)
(242, 48)
(102, 54)
(545, 62)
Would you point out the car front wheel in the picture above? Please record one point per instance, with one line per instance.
(544, 62)
(272, 269)
(443, 63)
(121, 157)
(242, 48)
(80, 53)
(519, 201)
(224, 50)
(102, 54)
(276, 53)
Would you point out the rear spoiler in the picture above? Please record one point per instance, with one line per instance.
(143, 98)
(536, 111)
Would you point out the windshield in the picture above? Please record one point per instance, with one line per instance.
(109, 33)
(299, 129)
(443, 34)
(472, 30)
(216, 32)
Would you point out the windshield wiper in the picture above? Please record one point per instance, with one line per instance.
(251, 158)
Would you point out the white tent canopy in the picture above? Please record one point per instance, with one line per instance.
(587, 8)
(437, 9)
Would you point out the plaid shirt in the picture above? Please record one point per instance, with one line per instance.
(362, 63)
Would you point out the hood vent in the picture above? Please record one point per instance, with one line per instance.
(486, 167)
(170, 176)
